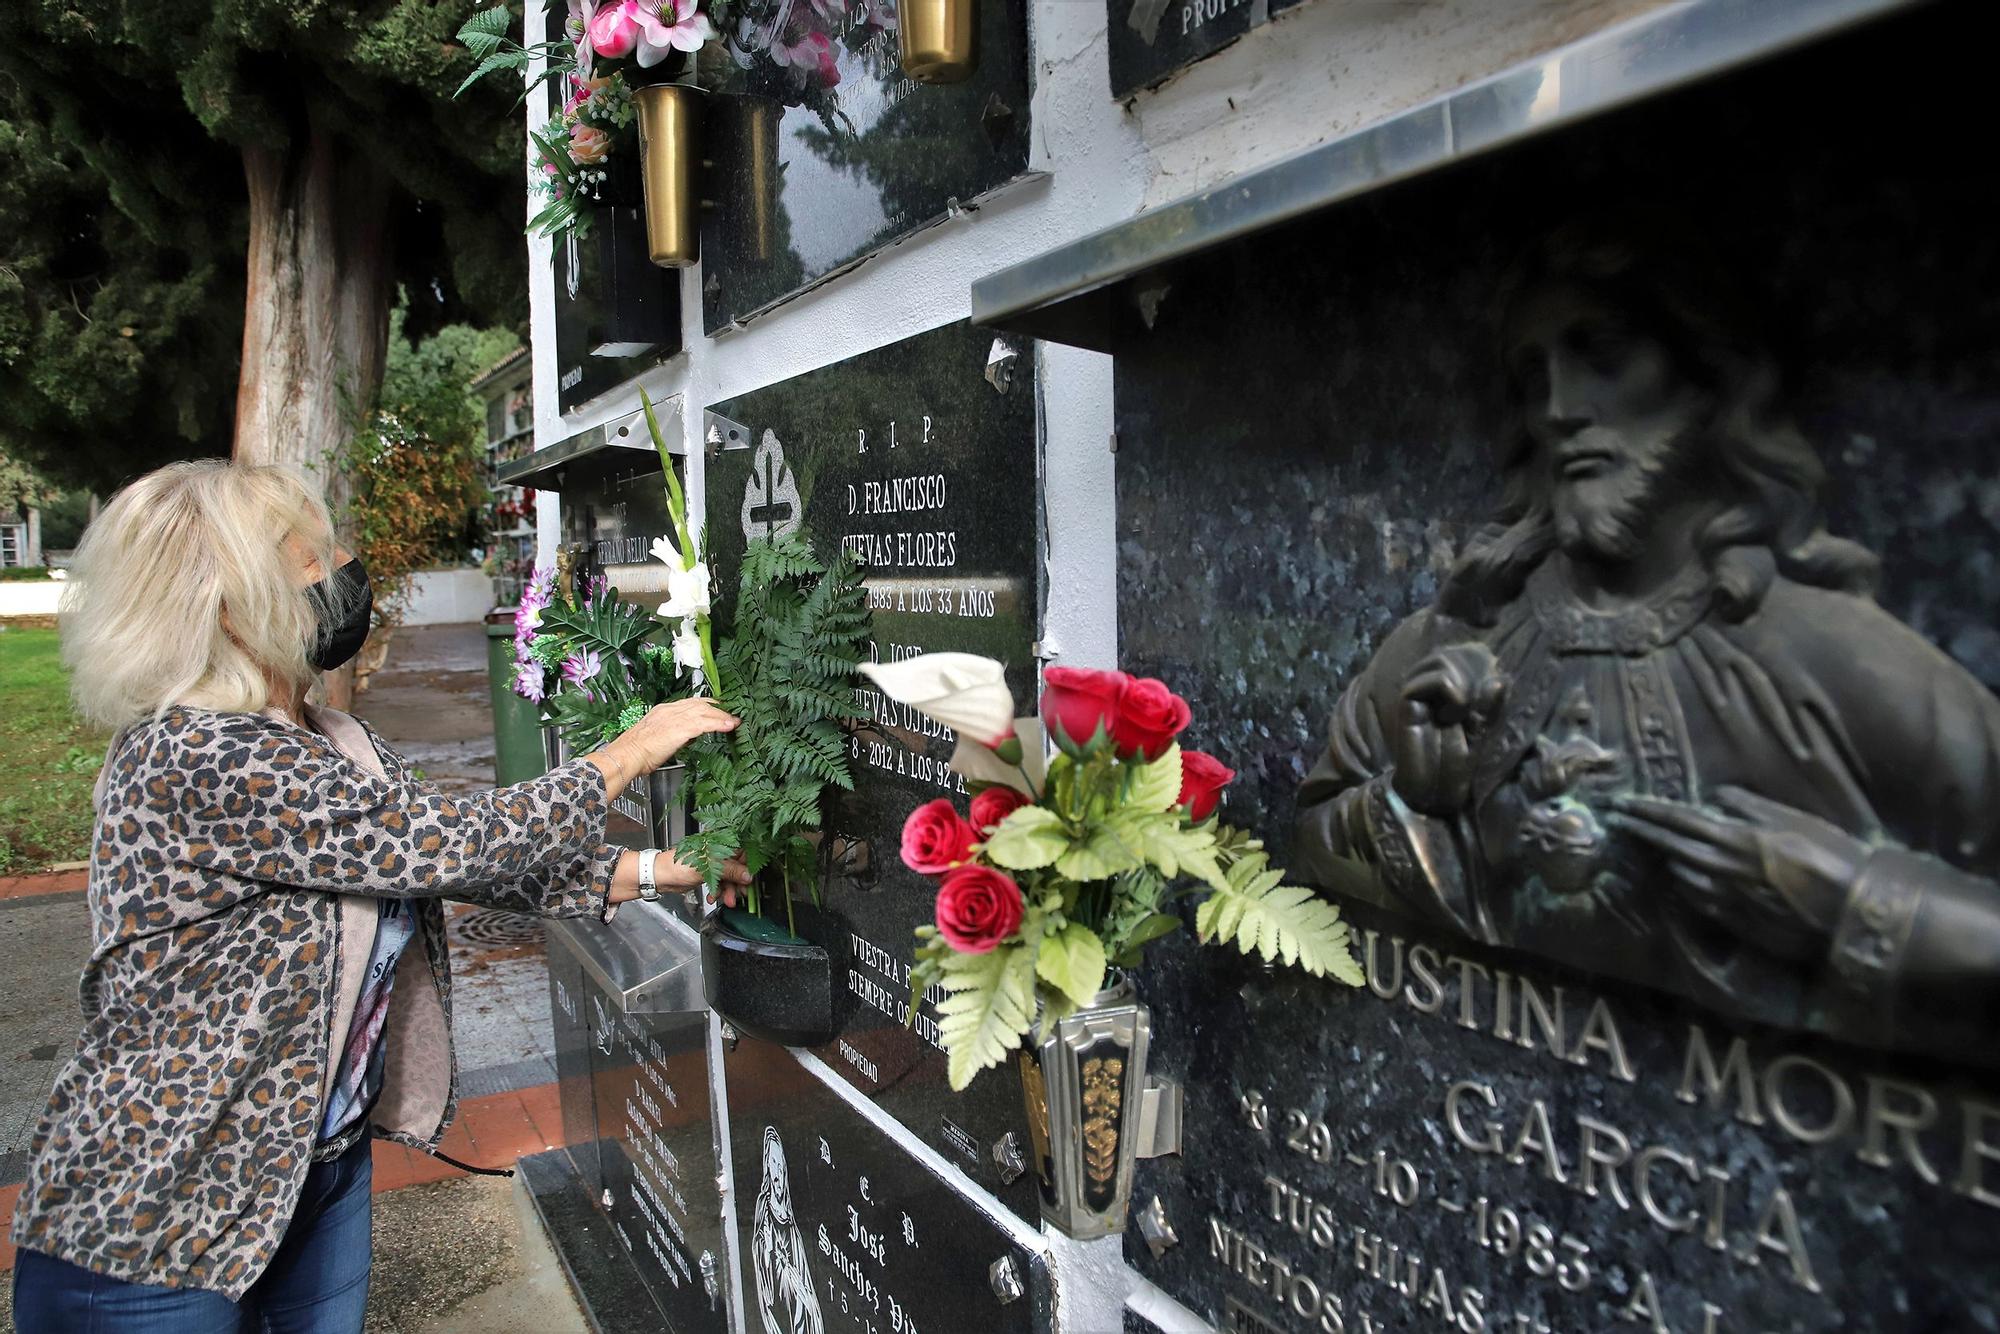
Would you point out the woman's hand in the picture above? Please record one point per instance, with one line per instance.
(657, 738)
(671, 874)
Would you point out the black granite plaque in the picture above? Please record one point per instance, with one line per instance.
(1287, 501)
(649, 1079)
(1476, 1142)
(839, 1229)
(616, 313)
(911, 457)
(811, 177)
(1152, 40)
(569, 1010)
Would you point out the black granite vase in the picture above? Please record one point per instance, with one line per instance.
(766, 981)
(1083, 1086)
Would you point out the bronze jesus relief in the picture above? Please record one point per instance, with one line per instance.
(1655, 726)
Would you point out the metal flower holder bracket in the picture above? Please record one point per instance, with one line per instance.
(1093, 1112)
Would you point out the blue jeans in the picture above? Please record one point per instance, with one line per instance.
(317, 1283)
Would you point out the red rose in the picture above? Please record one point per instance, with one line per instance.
(1076, 700)
(977, 908)
(995, 804)
(1202, 779)
(1149, 717)
(935, 839)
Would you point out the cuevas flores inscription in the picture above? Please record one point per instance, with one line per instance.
(1348, 1232)
(919, 459)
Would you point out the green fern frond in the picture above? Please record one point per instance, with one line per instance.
(1262, 915)
(988, 1005)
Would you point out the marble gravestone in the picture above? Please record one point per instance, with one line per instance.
(842, 1230)
(1677, 910)
(815, 171)
(636, 1113)
(920, 458)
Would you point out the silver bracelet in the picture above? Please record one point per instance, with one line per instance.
(647, 889)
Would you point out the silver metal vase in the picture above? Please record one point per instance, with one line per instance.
(1084, 1087)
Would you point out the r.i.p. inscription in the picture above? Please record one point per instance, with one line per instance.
(918, 459)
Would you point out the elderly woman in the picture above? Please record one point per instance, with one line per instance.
(268, 985)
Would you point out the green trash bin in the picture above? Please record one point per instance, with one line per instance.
(517, 723)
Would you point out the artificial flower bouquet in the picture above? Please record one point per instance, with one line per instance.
(605, 50)
(595, 664)
(1067, 867)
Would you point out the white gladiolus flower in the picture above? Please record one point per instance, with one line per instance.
(964, 691)
(667, 553)
(687, 592)
(687, 646)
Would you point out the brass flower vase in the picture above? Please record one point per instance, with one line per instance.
(940, 39)
(670, 171)
(1084, 1087)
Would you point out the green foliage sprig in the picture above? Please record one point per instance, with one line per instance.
(786, 666)
(1097, 859)
(632, 673)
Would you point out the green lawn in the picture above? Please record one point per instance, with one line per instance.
(48, 758)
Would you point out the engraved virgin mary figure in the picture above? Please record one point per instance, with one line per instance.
(1655, 725)
(787, 1302)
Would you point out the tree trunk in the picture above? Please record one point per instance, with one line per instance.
(316, 314)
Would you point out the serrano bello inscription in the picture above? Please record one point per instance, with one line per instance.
(1297, 1265)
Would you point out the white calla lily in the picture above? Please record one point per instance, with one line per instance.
(964, 691)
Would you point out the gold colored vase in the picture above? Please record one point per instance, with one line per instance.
(760, 154)
(940, 39)
(670, 162)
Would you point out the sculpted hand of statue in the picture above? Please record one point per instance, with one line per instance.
(1774, 875)
(1449, 698)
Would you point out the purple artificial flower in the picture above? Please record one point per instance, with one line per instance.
(530, 681)
(539, 592)
(578, 668)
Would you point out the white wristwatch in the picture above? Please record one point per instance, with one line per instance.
(647, 889)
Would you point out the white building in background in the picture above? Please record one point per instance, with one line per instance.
(20, 538)
(506, 393)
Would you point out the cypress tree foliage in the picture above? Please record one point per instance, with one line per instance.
(799, 632)
(168, 167)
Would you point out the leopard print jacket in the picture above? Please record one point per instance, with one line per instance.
(179, 1135)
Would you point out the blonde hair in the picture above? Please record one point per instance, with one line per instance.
(143, 616)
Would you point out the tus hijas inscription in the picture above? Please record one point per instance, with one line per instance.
(1655, 725)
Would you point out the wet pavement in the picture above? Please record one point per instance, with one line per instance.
(44, 940)
(430, 702)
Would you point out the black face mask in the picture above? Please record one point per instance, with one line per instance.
(345, 595)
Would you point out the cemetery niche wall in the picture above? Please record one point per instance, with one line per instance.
(1588, 554)
(616, 314)
(921, 459)
(820, 163)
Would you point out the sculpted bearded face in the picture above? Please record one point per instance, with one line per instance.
(1614, 421)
